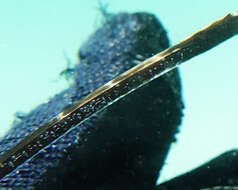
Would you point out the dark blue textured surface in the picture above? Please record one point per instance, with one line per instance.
(111, 50)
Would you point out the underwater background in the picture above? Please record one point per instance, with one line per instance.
(38, 36)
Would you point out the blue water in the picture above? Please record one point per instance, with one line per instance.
(34, 35)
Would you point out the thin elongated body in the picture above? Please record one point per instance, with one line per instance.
(116, 89)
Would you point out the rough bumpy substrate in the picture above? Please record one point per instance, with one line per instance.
(130, 141)
(123, 147)
(222, 171)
